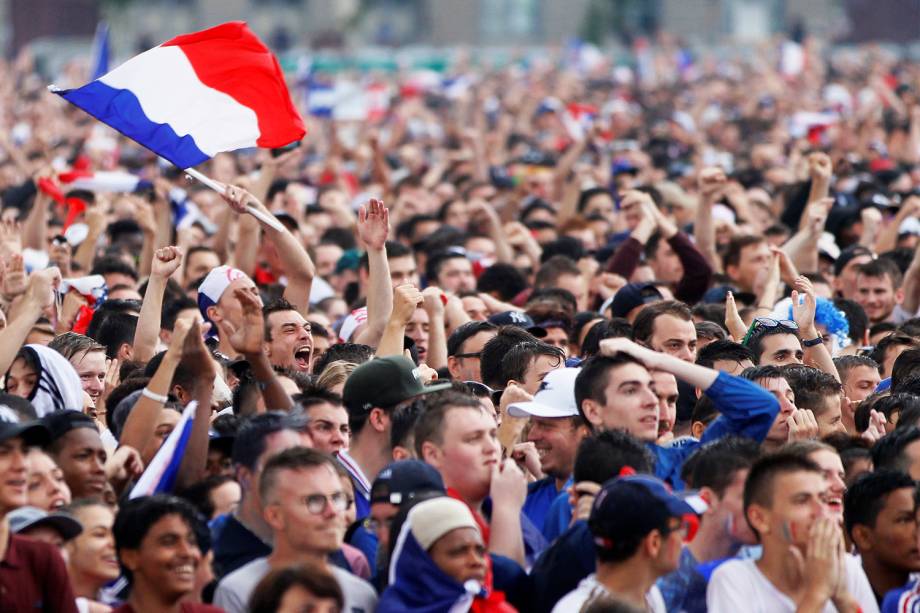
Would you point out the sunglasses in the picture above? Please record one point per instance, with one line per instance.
(761, 323)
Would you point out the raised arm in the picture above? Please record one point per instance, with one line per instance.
(248, 341)
(911, 286)
(38, 297)
(95, 224)
(437, 336)
(803, 312)
(298, 267)
(197, 359)
(711, 182)
(745, 407)
(142, 420)
(406, 299)
(165, 262)
(372, 230)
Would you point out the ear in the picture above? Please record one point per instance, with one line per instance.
(273, 516)
(862, 537)
(129, 557)
(267, 350)
(698, 392)
(431, 454)
(453, 366)
(731, 271)
(759, 518)
(214, 314)
(696, 429)
(592, 411)
(125, 352)
(378, 419)
(899, 296)
(652, 543)
(707, 494)
(402, 453)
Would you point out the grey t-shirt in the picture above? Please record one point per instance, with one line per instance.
(234, 590)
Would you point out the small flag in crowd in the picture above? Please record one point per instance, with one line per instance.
(101, 50)
(160, 475)
(196, 95)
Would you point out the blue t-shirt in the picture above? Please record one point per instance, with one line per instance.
(540, 497)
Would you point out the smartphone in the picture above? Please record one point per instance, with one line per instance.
(282, 150)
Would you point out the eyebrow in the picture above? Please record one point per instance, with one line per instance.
(632, 382)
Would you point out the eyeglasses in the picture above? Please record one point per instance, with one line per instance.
(375, 525)
(760, 323)
(478, 389)
(687, 527)
(316, 503)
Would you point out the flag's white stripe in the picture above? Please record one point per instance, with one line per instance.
(106, 182)
(170, 92)
(147, 484)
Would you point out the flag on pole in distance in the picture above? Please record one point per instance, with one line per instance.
(101, 50)
(196, 95)
(160, 475)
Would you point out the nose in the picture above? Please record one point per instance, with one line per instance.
(685, 354)
(19, 461)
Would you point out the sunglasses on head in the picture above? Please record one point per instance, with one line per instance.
(761, 323)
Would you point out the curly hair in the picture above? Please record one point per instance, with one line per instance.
(828, 315)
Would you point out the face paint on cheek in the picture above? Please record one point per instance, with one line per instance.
(789, 531)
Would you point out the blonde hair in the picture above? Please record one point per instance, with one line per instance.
(335, 373)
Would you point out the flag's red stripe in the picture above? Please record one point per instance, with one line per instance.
(231, 59)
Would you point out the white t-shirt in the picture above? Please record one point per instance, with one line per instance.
(589, 589)
(738, 585)
(234, 590)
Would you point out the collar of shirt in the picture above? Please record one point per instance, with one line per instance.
(12, 558)
(357, 474)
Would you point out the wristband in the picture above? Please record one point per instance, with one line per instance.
(813, 342)
(154, 396)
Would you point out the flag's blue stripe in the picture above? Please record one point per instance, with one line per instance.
(168, 480)
(101, 51)
(121, 109)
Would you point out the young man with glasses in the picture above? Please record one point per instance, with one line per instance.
(464, 346)
(304, 505)
(774, 342)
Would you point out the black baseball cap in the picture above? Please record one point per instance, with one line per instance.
(401, 481)
(519, 319)
(385, 382)
(33, 433)
(632, 295)
(60, 423)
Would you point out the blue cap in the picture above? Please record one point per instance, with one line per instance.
(636, 505)
(519, 319)
(632, 295)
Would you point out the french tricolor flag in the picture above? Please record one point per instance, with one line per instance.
(160, 475)
(197, 95)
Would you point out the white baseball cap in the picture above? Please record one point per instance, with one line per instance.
(555, 398)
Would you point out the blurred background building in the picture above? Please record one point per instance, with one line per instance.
(313, 24)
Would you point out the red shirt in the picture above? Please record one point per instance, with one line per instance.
(185, 607)
(33, 577)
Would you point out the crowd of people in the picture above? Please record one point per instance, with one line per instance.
(570, 338)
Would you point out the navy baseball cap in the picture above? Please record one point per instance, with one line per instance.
(637, 504)
(401, 481)
(632, 295)
(519, 319)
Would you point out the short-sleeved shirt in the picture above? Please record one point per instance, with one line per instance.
(589, 590)
(234, 590)
(738, 585)
(33, 577)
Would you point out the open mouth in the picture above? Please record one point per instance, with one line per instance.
(835, 503)
(302, 356)
(183, 572)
